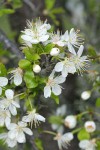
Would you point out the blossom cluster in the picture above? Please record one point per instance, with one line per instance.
(66, 50)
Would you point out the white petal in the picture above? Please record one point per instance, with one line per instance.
(9, 94)
(56, 89)
(52, 74)
(71, 68)
(71, 49)
(28, 131)
(3, 81)
(12, 134)
(26, 119)
(15, 104)
(11, 143)
(80, 51)
(22, 124)
(0, 90)
(59, 67)
(83, 144)
(3, 136)
(39, 117)
(7, 121)
(2, 121)
(21, 137)
(60, 79)
(43, 38)
(65, 36)
(26, 38)
(47, 91)
(17, 79)
(12, 126)
(13, 110)
(64, 72)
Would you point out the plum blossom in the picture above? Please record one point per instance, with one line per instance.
(17, 75)
(3, 82)
(54, 51)
(17, 131)
(87, 144)
(65, 67)
(80, 61)
(64, 140)
(5, 117)
(10, 142)
(36, 32)
(52, 85)
(90, 126)
(70, 121)
(36, 68)
(72, 39)
(55, 38)
(86, 95)
(8, 103)
(33, 117)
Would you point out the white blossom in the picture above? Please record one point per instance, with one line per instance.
(33, 117)
(3, 82)
(8, 103)
(17, 75)
(36, 32)
(36, 68)
(17, 131)
(55, 38)
(72, 39)
(85, 95)
(79, 61)
(10, 142)
(87, 145)
(90, 126)
(64, 140)
(65, 67)
(5, 117)
(53, 85)
(70, 121)
(54, 51)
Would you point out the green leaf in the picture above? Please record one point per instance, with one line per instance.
(50, 4)
(91, 51)
(17, 4)
(30, 79)
(48, 48)
(55, 119)
(98, 102)
(83, 135)
(30, 56)
(6, 11)
(3, 71)
(55, 98)
(58, 10)
(36, 57)
(23, 63)
(39, 144)
(98, 145)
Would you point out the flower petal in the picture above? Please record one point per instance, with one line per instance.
(47, 91)
(3, 81)
(13, 110)
(56, 89)
(59, 66)
(39, 117)
(0, 90)
(9, 94)
(60, 79)
(21, 137)
(71, 49)
(28, 131)
(80, 51)
(17, 79)
(64, 72)
(15, 104)
(7, 121)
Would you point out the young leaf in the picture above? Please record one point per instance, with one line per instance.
(3, 71)
(82, 135)
(98, 102)
(49, 4)
(23, 63)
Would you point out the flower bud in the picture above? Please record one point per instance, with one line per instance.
(90, 126)
(36, 68)
(55, 51)
(85, 95)
(70, 121)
